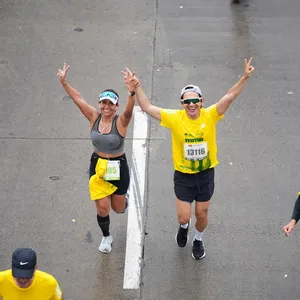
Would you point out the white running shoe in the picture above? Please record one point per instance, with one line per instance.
(105, 245)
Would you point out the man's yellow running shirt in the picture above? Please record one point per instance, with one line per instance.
(43, 287)
(193, 141)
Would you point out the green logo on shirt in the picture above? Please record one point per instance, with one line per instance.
(197, 140)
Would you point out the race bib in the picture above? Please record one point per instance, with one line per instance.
(112, 170)
(195, 151)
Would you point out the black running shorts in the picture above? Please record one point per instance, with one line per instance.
(190, 187)
(121, 184)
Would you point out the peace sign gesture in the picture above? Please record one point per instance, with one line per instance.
(248, 69)
(61, 74)
(130, 79)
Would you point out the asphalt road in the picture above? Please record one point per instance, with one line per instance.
(45, 147)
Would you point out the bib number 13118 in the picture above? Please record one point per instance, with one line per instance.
(195, 151)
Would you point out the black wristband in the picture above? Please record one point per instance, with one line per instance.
(131, 93)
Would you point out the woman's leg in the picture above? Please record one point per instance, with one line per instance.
(103, 208)
(118, 203)
(118, 199)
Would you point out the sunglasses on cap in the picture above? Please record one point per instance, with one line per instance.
(193, 100)
(109, 96)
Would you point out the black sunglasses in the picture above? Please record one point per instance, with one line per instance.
(189, 101)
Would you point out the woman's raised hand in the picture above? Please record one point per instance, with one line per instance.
(61, 74)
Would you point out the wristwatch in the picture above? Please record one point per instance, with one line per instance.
(131, 93)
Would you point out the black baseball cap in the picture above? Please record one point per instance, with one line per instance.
(23, 263)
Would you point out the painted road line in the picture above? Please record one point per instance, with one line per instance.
(133, 257)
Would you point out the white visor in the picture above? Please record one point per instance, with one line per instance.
(109, 96)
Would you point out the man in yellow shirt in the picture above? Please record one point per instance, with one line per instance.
(24, 282)
(194, 150)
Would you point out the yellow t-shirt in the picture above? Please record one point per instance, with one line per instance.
(193, 141)
(43, 287)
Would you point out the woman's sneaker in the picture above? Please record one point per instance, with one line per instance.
(105, 245)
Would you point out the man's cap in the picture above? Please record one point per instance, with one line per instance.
(109, 96)
(23, 263)
(191, 88)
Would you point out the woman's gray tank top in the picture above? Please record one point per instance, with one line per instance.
(109, 143)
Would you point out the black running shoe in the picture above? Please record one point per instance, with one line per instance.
(182, 236)
(198, 250)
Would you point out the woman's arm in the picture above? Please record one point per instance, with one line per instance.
(87, 110)
(126, 116)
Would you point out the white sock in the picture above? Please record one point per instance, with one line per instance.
(198, 235)
(185, 226)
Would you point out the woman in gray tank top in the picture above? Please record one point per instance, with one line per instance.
(109, 172)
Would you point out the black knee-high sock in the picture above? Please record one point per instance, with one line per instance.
(104, 224)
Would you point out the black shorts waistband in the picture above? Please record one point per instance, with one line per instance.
(193, 174)
(122, 156)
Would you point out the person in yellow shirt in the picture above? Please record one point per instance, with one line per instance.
(24, 282)
(194, 148)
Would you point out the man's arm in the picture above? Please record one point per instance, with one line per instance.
(288, 228)
(55, 297)
(296, 211)
(234, 91)
(133, 84)
(145, 104)
(57, 294)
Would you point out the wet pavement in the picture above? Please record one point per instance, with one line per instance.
(45, 147)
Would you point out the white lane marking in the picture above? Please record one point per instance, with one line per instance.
(133, 257)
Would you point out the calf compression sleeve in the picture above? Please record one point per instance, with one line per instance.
(104, 224)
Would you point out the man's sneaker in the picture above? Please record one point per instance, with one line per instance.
(198, 250)
(182, 236)
(105, 245)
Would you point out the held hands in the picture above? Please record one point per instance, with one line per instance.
(288, 228)
(248, 68)
(131, 80)
(61, 74)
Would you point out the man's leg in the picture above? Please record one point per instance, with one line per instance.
(201, 214)
(183, 217)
